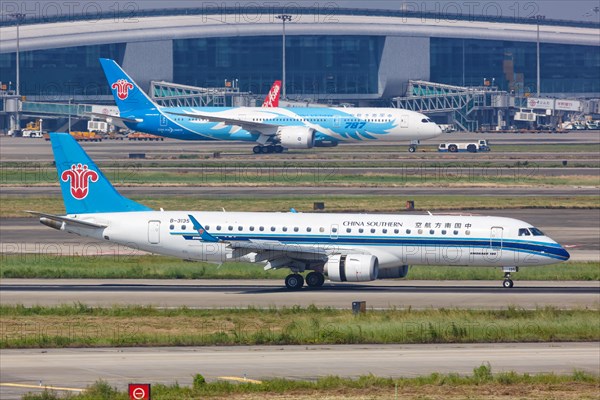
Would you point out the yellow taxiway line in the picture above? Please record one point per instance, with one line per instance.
(22, 385)
(239, 379)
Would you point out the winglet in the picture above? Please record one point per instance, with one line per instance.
(205, 236)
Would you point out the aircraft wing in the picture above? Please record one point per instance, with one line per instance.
(274, 250)
(250, 126)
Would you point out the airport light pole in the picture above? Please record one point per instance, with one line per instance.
(538, 18)
(284, 18)
(19, 17)
(70, 101)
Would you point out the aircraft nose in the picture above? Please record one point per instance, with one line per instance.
(564, 253)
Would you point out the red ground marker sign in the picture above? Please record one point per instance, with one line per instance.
(139, 391)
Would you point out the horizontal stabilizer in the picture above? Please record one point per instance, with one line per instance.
(112, 118)
(70, 221)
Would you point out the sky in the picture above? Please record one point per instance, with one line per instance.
(580, 10)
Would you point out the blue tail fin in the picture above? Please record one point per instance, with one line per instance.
(84, 187)
(128, 95)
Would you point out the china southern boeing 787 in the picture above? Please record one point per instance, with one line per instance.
(343, 247)
(271, 129)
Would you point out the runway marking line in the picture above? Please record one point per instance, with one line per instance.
(239, 379)
(22, 385)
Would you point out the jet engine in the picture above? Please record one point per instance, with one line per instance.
(352, 268)
(296, 137)
(392, 273)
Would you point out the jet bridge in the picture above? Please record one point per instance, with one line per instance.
(460, 102)
(169, 94)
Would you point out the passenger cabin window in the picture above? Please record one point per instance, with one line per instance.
(285, 229)
(361, 230)
(372, 230)
(272, 229)
(296, 229)
(240, 228)
(251, 229)
(207, 227)
(408, 231)
(524, 232)
(218, 227)
(183, 227)
(262, 228)
(308, 229)
(172, 227)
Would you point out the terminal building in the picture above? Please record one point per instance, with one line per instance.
(363, 57)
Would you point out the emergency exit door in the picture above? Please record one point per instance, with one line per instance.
(154, 232)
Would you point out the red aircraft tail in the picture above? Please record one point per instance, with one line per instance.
(272, 99)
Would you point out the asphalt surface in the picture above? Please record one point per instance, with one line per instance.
(282, 191)
(77, 368)
(272, 293)
(23, 149)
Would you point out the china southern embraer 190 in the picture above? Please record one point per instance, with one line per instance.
(272, 129)
(343, 247)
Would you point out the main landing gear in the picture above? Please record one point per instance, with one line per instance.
(267, 149)
(296, 281)
(508, 283)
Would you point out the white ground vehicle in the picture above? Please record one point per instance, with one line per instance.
(472, 147)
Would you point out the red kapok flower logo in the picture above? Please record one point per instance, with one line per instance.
(80, 176)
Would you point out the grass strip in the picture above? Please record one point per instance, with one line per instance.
(120, 266)
(481, 383)
(80, 325)
(327, 176)
(12, 206)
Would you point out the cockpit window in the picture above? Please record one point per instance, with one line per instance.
(536, 232)
(425, 120)
(524, 232)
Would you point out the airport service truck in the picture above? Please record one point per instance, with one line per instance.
(471, 147)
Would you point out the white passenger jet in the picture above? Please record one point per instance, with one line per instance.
(343, 247)
(271, 128)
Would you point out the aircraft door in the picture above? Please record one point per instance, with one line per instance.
(163, 120)
(496, 235)
(154, 232)
(334, 232)
(404, 121)
(337, 121)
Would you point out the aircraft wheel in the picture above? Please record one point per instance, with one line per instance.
(315, 279)
(508, 283)
(412, 149)
(266, 149)
(278, 149)
(257, 149)
(294, 281)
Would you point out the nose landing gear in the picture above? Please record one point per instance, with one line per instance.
(508, 283)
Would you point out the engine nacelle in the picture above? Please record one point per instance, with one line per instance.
(352, 268)
(296, 137)
(392, 273)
